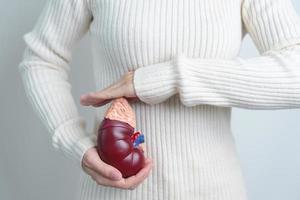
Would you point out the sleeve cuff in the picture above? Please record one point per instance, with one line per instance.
(73, 140)
(155, 83)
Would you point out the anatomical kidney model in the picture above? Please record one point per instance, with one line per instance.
(117, 143)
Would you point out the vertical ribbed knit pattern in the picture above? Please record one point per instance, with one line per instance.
(187, 76)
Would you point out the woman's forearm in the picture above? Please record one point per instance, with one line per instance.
(45, 69)
(265, 82)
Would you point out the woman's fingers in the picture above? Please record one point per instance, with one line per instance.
(98, 98)
(122, 88)
(93, 161)
(106, 94)
(101, 180)
(127, 183)
(102, 103)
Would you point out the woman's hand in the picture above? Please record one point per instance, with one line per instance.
(103, 173)
(92, 164)
(122, 88)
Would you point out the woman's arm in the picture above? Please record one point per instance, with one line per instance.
(45, 69)
(268, 81)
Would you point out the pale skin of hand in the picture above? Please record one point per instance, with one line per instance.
(91, 163)
(122, 88)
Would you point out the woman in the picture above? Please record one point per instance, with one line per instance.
(178, 60)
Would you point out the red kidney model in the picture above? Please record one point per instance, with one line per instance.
(117, 143)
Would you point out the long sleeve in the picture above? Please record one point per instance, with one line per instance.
(268, 81)
(45, 70)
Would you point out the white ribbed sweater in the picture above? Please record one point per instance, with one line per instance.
(187, 75)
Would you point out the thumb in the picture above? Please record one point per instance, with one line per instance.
(93, 161)
(108, 171)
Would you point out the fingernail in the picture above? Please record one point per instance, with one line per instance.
(116, 176)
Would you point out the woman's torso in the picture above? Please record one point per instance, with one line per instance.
(192, 147)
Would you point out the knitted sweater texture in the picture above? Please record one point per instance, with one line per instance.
(188, 76)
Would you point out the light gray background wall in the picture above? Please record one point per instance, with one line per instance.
(30, 169)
